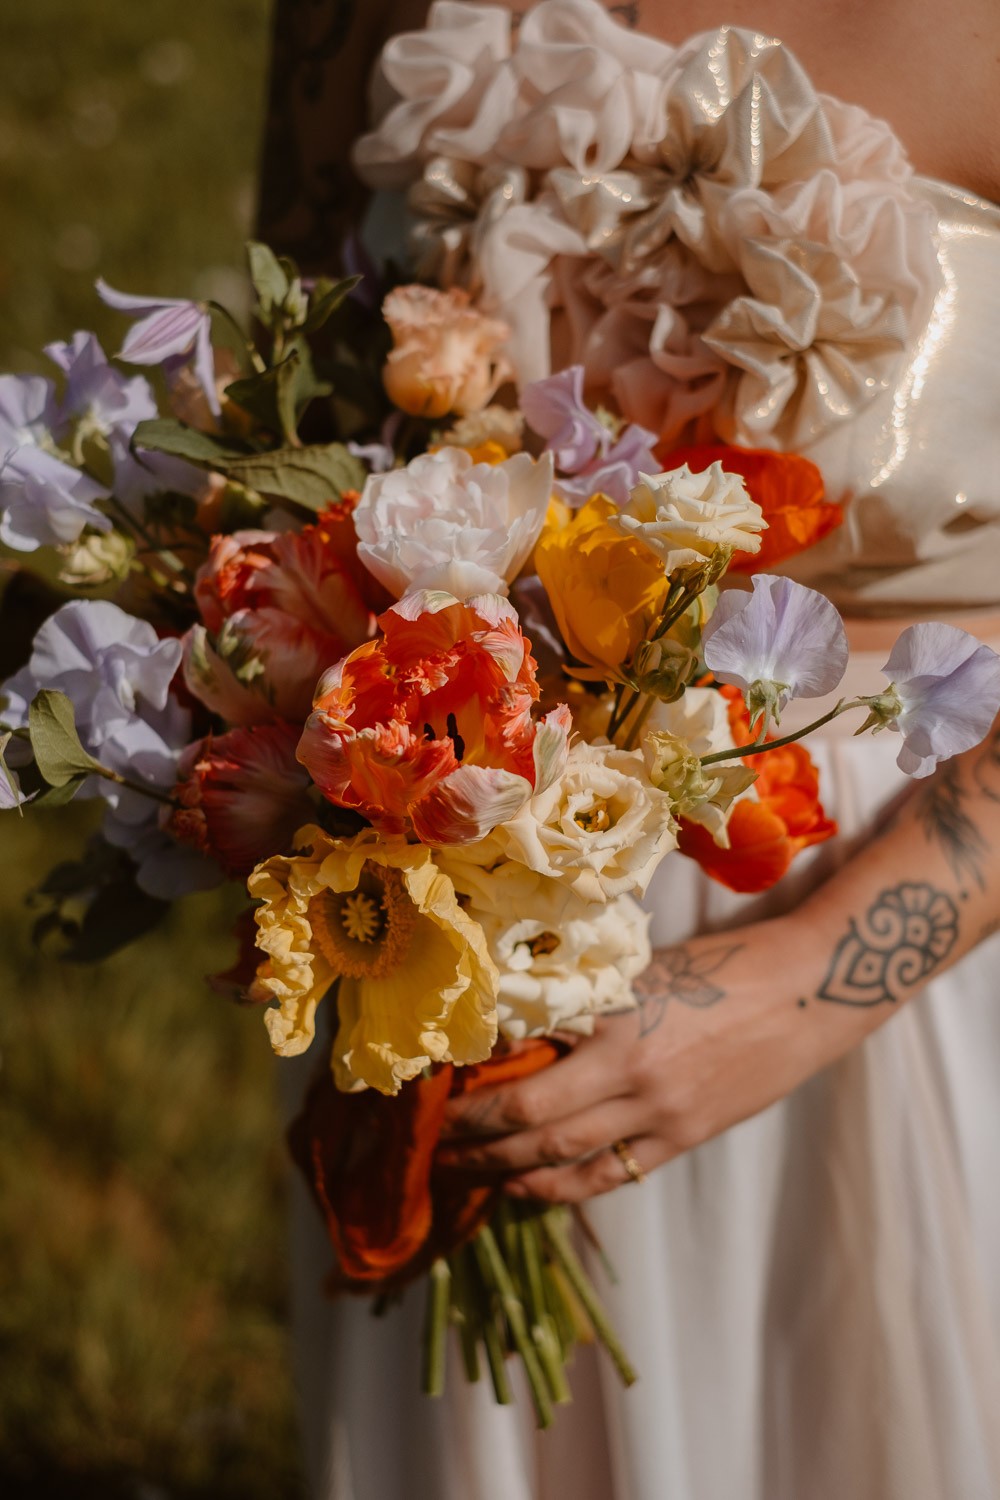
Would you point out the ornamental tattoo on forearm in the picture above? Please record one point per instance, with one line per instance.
(903, 936)
(682, 975)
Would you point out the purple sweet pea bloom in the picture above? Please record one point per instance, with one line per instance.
(948, 684)
(615, 473)
(168, 332)
(27, 410)
(113, 405)
(555, 409)
(44, 502)
(10, 788)
(117, 674)
(379, 457)
(788, 639)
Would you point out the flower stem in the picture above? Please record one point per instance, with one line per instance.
(249, 347)
(436, 1328)
(741, 752)
(495, 1273)
(555, 1230)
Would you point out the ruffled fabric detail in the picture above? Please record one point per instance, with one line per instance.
(720, 246)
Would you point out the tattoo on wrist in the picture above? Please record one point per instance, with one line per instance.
(903, 936)
(945, 822)
(682, 975)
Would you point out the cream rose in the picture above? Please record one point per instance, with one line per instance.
(447, 523)
(600, 828)
(494, 424)
(445, 355)
(687, 518)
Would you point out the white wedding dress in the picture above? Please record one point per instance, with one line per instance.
(812, 1299)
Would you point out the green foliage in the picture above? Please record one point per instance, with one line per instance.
(310, 476)
(58, 753)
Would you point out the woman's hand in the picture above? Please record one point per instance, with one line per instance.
(719, 1034)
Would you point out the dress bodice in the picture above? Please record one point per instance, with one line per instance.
(729, 254)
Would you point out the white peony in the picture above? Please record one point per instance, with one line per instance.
(447, 523)
(686, 518)
(562, 961)
(600, 828)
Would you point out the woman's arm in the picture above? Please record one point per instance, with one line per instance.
(731, 1022)
(322, 57)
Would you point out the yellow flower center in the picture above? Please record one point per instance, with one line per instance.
(365, 933)
(545, 942)
(362, 917)
(594, 819)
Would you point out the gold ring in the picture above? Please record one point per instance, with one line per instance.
(628, 1161)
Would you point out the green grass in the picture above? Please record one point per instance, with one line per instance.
(143, 1348)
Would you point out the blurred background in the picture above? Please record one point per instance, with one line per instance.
(143, 1346)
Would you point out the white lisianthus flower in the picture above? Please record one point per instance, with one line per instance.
(562, 961)
(447, 523)
(696, 724)
(600, 828)
(686, 518)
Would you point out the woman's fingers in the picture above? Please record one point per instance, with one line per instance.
(554, 1144)
(588, 1179)
(586, 1076)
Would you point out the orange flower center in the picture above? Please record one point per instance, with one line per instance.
(365, 933)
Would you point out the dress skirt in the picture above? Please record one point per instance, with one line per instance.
(812, 1299)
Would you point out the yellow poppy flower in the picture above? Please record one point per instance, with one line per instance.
(606, 589)
(417, 985)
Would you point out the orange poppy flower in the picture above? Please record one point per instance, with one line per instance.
(788, 489)
(767, 831)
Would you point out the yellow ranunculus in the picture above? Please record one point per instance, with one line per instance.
(417, 985)
(606, 589)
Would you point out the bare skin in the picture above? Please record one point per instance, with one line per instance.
(722, 1031)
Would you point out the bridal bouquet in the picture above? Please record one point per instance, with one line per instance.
(442, 643)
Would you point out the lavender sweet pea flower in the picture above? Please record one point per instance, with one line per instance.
(782, 641)
(112, 405)
(555, 409)
(944, 694)
(44, 502)
(615, 473)
(169, 331)
(27, 411)
(117, 674)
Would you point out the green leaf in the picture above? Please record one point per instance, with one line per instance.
(312, 476)
(269, 277)
(165, 435)
(325, 299)
(59, 755)
(277, 397)
(58, 796)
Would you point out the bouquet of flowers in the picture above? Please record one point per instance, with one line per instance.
(442, 650)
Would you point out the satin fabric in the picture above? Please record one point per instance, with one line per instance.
(729, 253)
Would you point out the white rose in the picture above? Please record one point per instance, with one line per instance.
(562, 961)
(685, 518)
(601, 828)
(446, 523)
